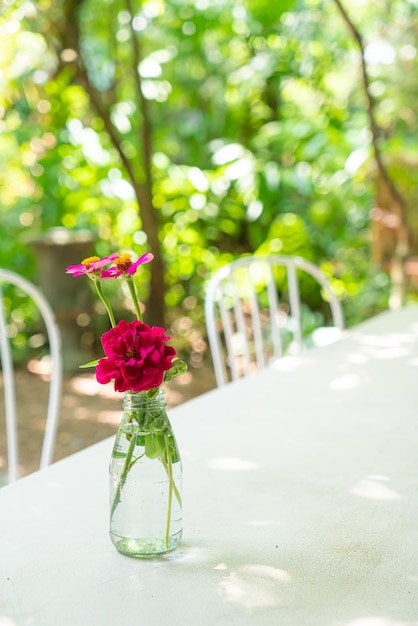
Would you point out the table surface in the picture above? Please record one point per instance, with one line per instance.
(300, 497)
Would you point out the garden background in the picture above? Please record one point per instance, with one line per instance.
(201, 130)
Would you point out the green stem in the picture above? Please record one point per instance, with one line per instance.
(126, 468)
(175, 490)
(177, 494)
(138, 458)
(165, 460)
(134, 297)
(171, 486)
(105, 302)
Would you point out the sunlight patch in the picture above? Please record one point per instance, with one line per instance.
(350, 381)
(255, 586)
(379, 621)
(372, 487)
(232, 464)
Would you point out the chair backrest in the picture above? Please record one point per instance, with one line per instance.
(254, 313)
(54, 339)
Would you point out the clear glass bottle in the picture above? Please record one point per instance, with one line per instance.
(145, 479)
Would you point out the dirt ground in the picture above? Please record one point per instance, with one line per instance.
(89, 412)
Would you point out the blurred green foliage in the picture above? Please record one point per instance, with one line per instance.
(261, 141)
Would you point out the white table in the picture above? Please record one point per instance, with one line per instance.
(301, 505)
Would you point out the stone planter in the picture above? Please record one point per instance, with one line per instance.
(71, 300)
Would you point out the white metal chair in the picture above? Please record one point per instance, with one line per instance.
(254, 313)
(51, 421)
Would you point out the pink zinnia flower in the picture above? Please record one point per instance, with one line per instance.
(124, 265)
(91, 265)
(136, 356)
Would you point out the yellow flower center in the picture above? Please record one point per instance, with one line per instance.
(91, 259)
(130, 353)
(123, 263)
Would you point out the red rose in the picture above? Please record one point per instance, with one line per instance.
(136, 356)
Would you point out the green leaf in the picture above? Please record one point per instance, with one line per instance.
(266, 11)
(179, 367)
(90, 364)
(154, 446)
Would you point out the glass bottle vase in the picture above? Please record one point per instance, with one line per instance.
(145, 479)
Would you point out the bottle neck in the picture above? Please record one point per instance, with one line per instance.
(142, 402)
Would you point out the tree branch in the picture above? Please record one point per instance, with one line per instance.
(146, 127)
(396, 197)
(397, 203)
(69, 33)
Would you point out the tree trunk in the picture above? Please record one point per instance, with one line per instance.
(395, 202)
(69, 33)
